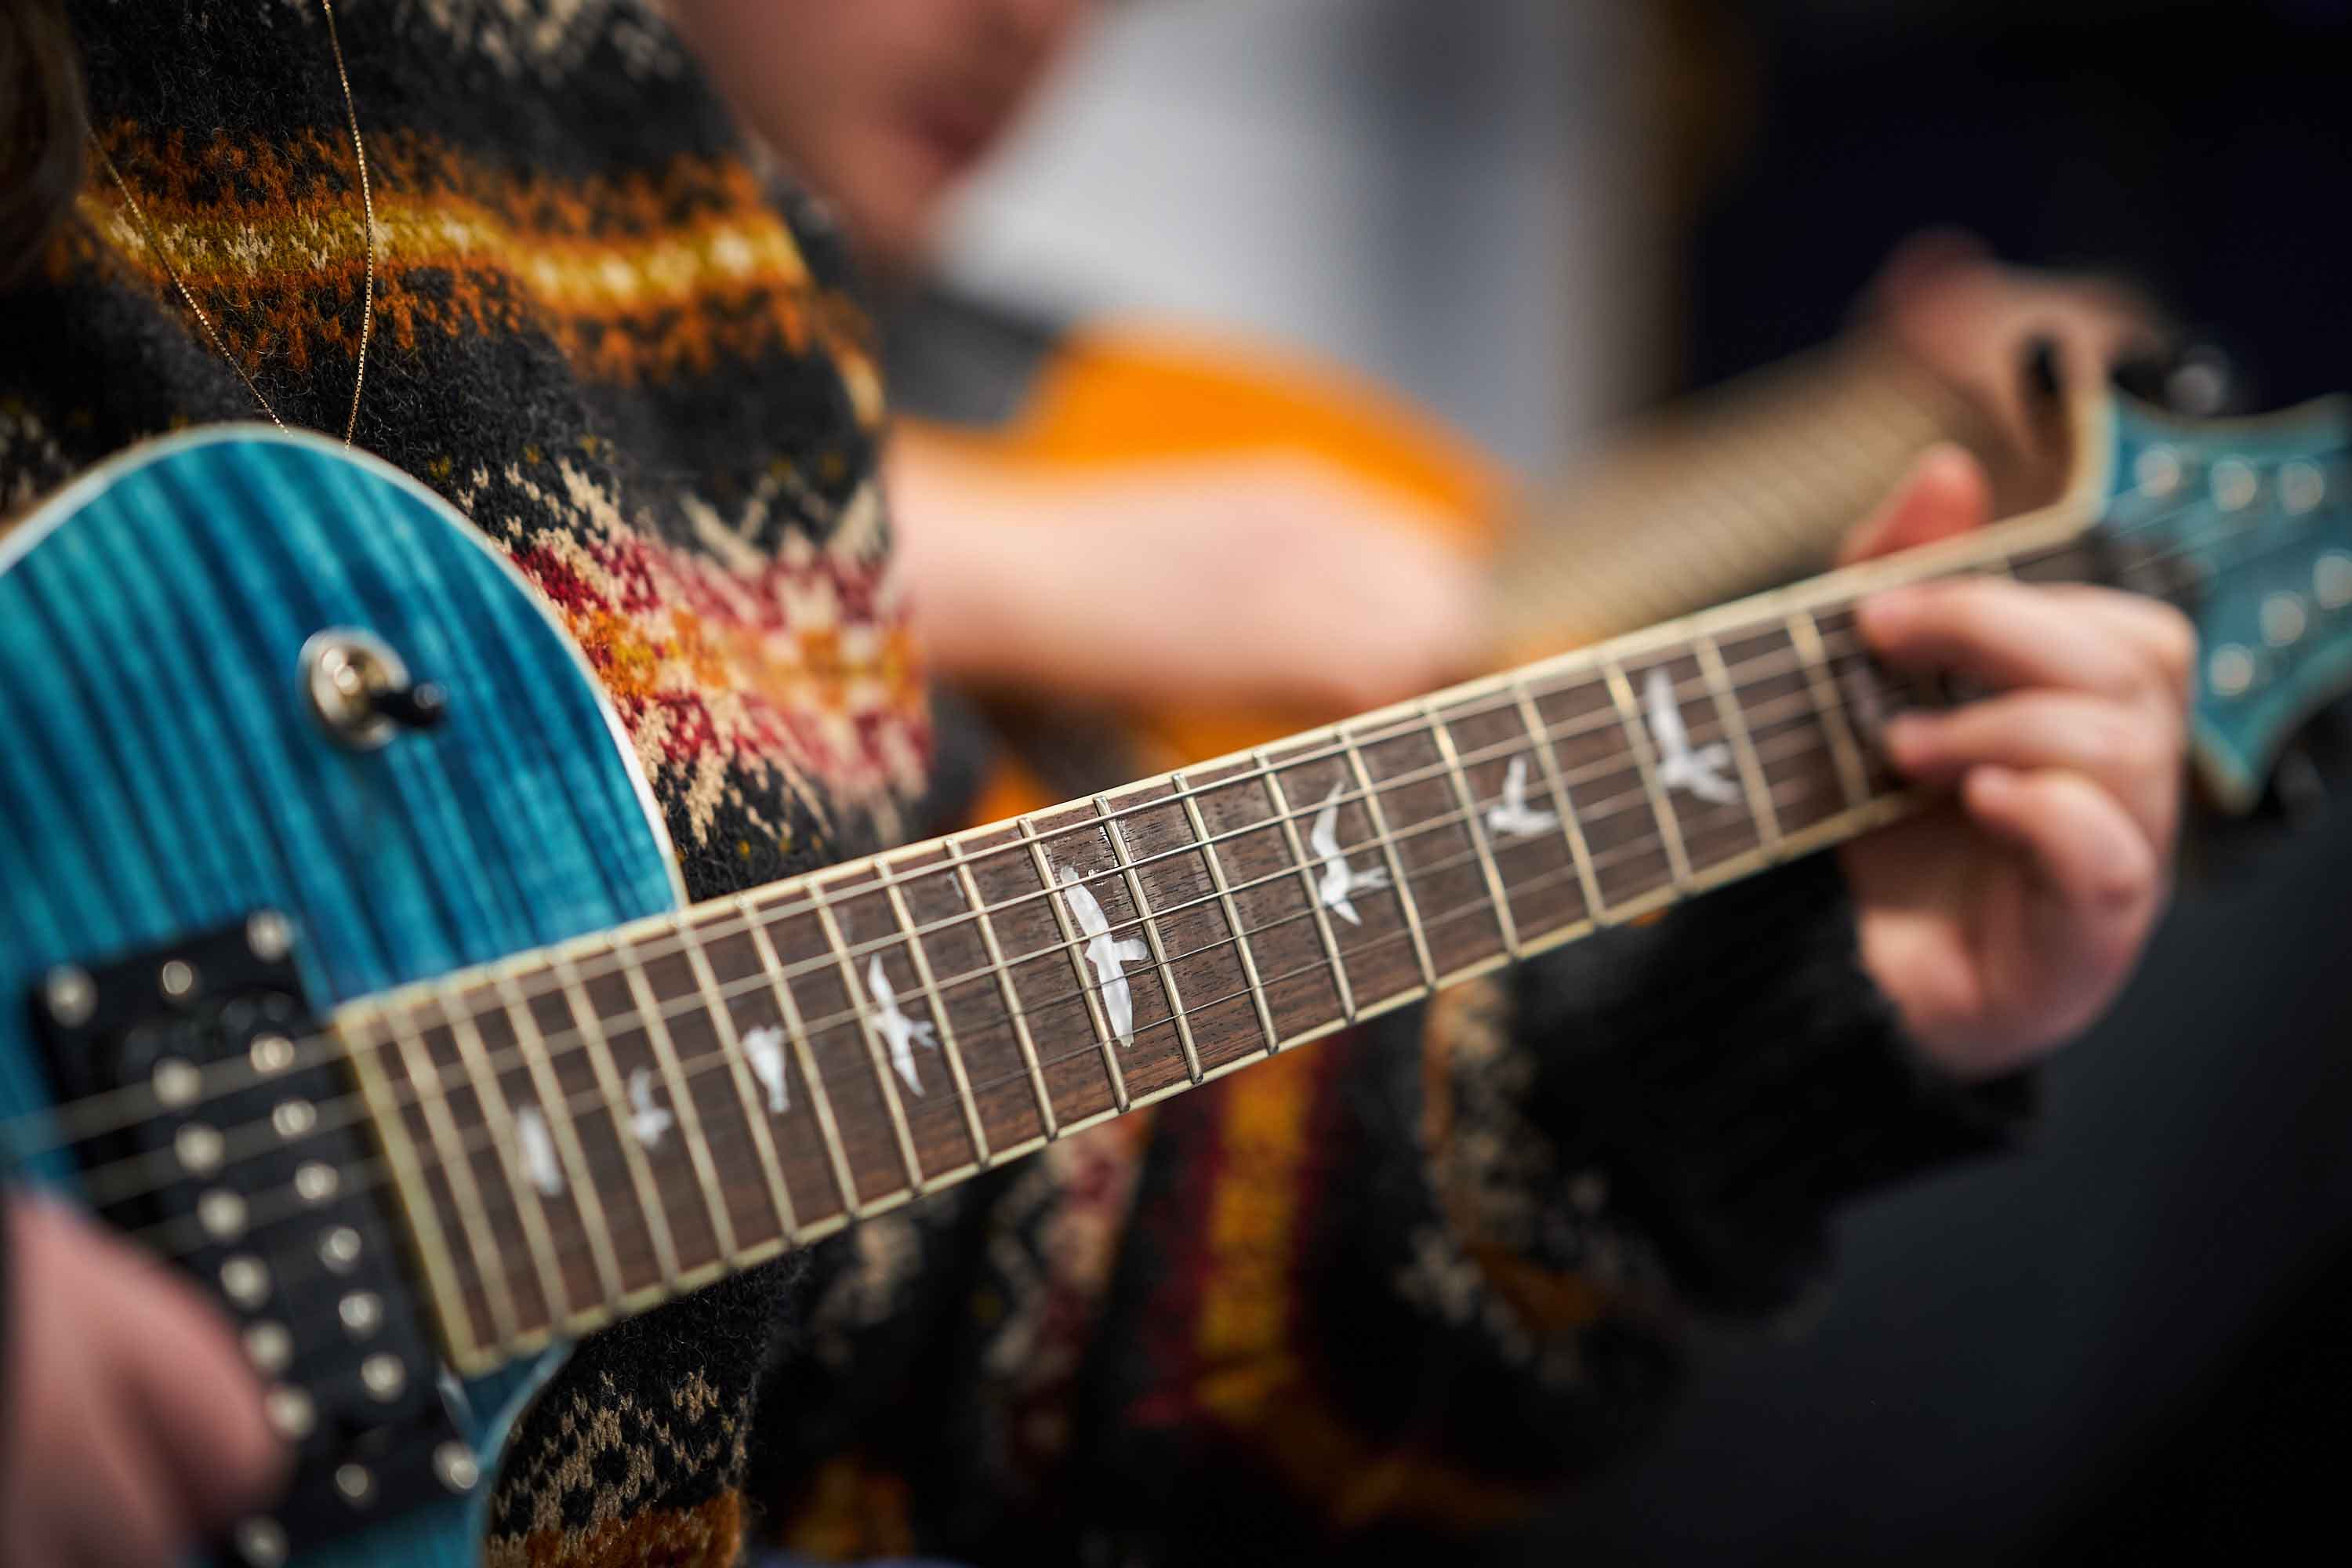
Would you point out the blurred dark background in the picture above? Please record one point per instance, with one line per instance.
(2138, 1336)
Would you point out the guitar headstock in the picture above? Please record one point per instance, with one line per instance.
(2247, 525)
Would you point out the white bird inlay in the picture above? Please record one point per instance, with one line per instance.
(1340, 879)
(1680, 767)
(1512, 816)
(1109, 958)
(899, 1033)
(648, 1121)
(764, 1048)
(538, 1150)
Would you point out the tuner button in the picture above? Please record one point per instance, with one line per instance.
(178, 978)
(2331, 580)
(2234, 485)
(2283, 619)
(2301, 487)
(293, 1117)
(2157, 470)
(2231, 670)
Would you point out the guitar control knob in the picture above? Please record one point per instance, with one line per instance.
(361, 690)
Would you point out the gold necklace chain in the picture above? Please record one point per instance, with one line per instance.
(367, 207)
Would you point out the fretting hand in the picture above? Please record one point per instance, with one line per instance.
(2003, 922)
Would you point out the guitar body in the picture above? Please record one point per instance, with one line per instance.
(1126, 398)
(163, 772)
(1725, 495)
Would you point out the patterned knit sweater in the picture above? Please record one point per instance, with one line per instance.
(1405, 1284)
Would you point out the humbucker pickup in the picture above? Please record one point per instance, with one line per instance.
(240, 1157)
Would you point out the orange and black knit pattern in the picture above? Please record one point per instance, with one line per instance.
(601, 332)
(1391, 1292)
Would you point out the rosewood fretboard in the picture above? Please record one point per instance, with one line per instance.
(578, 1134)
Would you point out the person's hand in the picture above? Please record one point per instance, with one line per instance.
(130, 1425)
(2003, 922)
(1971, 322)
(1217, 582)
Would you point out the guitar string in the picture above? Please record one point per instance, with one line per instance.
(1481, 906)
(257, 1134)
(94, 1114)
(130, 1102)
(254, 1138)
(372, 1172)
(119, 1107)
(1839, 666)
(1602, 720)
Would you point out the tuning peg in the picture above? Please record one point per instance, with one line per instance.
(2195, 377)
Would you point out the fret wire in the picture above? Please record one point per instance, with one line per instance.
(2047, 535)
(803, 1049)
(1743, 746)
(755, 1115)
(1109, 1046)
(1458, 913)
(948, 1046)
(473, 1215)
(1460, 783)
(749, 904)
(1845, 824)
(416, 1205)
(1234, 925)
(1003, 976)
(868, 1038)
(1629, 718)
(1406, 898)
(689, 1118)
(1282, 813)
(1176, 1008)
(1596, 908)
(539, 1237)
(1805, 636)
(1608, 807)
(537, 1061)
(599, 1051)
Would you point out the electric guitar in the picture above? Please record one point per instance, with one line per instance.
(350, 969)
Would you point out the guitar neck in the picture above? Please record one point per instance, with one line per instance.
(1737, 489)
(580, 1132)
